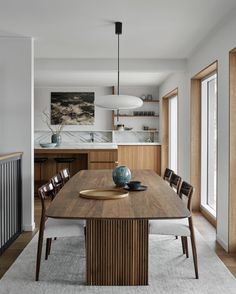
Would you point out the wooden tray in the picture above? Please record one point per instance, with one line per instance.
(103, 194)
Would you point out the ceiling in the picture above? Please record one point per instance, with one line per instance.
(85, 29)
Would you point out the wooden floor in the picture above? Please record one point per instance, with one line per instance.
(203, 226)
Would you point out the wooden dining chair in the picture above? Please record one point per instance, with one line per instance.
(175, 182)
(53, 227)
(57, 182)
(65, 175)
(179, 227)
(167, 174)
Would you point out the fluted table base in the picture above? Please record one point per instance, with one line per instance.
(117, 252)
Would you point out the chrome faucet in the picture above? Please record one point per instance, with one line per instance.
(91, 137)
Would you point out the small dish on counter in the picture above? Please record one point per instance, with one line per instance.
(48, 145)
(140, 188)
(135, 186)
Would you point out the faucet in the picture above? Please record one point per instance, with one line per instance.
(91, 137)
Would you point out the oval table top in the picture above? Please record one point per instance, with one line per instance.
(159, 201)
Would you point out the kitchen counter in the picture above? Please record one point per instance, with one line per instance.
(94, 146)
(84, 146)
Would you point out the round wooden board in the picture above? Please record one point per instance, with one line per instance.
(103, 194)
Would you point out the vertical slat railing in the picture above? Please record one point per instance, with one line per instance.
(10, 201)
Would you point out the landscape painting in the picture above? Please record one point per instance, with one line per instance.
(72, 108)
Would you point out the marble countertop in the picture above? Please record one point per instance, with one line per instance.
(82, 146)
(95, 145)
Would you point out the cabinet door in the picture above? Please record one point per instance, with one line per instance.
(105, 159)
(140, 157)
(103, 156)
(102, 165)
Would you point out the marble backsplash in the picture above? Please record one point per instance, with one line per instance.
(134, 137)
(78, 137)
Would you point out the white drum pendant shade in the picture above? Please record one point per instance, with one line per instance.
(119, 102)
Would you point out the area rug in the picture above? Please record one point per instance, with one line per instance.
(169, 271)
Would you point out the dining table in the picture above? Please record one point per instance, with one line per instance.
(117, 230)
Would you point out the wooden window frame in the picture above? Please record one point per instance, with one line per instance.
(165, 128)
(195, 136)
(232, 152)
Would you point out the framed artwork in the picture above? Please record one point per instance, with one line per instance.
(72, 108)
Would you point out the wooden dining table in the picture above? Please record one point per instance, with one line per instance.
(117, 231)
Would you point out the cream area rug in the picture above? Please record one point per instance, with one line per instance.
(169, 271)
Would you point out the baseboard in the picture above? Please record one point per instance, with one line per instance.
(208, 216)
(28, 228)
(222, 243)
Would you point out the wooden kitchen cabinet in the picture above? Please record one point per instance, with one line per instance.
(140, 157)
(83, 159)
(105, 159)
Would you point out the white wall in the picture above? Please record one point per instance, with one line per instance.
(215, 47)
(179, 80)
(16, 112)
(103, 118)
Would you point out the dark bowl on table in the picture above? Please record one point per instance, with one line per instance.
(134, 185)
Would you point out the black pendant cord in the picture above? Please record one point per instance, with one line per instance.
(118, 67)
(118, 85)
(118, 31)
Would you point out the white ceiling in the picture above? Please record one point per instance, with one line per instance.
(152, 29)
(84, 28)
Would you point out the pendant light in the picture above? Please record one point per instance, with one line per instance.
(119, 102)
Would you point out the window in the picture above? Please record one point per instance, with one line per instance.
(173, 127)
(209, 143)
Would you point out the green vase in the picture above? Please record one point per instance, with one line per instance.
(56, 138)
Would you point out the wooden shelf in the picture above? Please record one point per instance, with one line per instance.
(123, 115)
(138, 131)
(151, 101)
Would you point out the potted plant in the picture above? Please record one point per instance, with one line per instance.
(56, 130)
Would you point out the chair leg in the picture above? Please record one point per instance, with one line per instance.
(85, 231)
(48, 247)
(193, 247)
(39, 253)
(183, 244)
(46, 251)
(186, 246)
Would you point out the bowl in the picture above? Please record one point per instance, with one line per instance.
(133, 185)
(48, 145)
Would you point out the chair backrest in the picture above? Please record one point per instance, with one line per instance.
(57, 182)
(65, 175)
(46, 191)
(187, 191)
(167, 174)
(175, 182)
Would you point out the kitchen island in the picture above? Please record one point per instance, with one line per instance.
(96, 156)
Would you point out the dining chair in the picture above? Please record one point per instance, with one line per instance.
(57, 182)
(65, 175)
(53, 227)
(179, 227)
(175, 182)
(167, 174)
